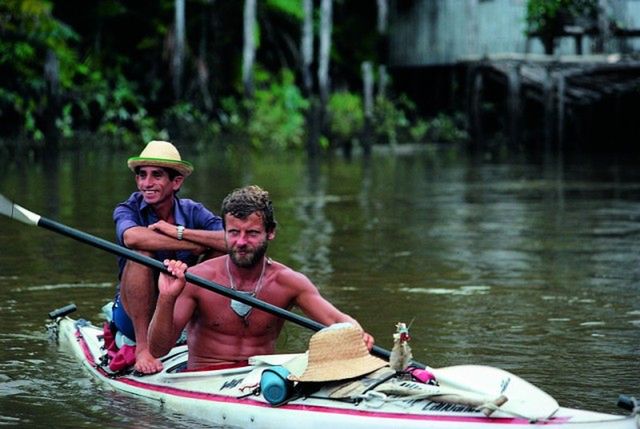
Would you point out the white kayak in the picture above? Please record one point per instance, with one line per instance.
(230, 397)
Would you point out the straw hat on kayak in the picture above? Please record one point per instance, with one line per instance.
(338, 353)
(161, 154)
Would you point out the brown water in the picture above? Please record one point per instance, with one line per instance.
(529, 266)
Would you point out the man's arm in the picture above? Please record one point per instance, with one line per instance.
(318, 308)
(143, 238)
(173, 310)
(203, 237)
(163, 235)
(211, 239)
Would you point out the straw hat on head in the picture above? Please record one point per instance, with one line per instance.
(161, 154)
(338, 353)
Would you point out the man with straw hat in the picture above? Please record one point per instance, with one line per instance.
(155, 222)
(222, 331)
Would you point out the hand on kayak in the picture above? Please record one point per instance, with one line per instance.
(172, 284)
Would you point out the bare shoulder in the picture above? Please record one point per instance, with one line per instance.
(211, 270)
(207, 267)
(290, 278)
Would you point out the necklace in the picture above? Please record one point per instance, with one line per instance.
(240, 308)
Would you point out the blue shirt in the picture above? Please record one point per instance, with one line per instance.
(136, 212)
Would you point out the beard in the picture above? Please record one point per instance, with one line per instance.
(250, 259)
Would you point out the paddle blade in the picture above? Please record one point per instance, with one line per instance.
(523, 398)
(14, 211)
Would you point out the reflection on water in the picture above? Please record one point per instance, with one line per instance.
(530, 267)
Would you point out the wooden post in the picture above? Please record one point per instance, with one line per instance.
(513, 104)
(561, 110)
(314, 127)
(383, 81)
(578, 41)
(549, 110)
(475, 85)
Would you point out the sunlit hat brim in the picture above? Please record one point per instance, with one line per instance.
(158, 153)
(340, 369)
(338, 353)
(185, 168)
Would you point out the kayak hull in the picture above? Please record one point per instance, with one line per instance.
(224, 397)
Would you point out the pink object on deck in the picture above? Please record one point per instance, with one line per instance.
(124, 358)
(423, 375)
(119, 358)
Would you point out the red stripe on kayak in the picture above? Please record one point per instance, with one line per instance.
(85, 348)
(311, 408)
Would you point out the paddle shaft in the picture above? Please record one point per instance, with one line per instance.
(199, 281)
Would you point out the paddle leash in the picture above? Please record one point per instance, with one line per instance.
(16, 212)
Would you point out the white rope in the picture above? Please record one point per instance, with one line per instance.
(383, 398)
(372, 396)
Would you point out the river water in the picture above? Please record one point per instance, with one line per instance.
(528, 265)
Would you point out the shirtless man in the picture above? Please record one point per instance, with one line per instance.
(222, 331)
(156, 223)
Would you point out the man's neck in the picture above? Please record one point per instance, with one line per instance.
(246, 273)
(164, 210)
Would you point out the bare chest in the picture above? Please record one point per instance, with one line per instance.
(230, 316)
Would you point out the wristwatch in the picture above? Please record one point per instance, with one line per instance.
(180, 229)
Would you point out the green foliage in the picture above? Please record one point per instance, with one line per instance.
(113, 61)
(28, 32)
(277, 112)
(397, 121)
(189, 122)
(231, 115)
(290, 7)
(548, 17)
(88, 99)
(346, 115)
(116, 101)
(419, 130)
(390, 118)
(446, 129)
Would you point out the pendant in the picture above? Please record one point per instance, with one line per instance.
(240, 308)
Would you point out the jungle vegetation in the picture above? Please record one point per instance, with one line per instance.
(127, 72)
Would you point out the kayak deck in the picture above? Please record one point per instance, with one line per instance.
(230, 397)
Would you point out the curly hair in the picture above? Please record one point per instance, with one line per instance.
(241, 202)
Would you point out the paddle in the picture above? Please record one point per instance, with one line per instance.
(470, 380)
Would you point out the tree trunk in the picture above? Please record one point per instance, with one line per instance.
(314, 117)
(382, 42)
(52, 109)
(326, 24)
(603, 27)
(383, 14)
(202, 67)
(383, 81)
(249, 50)
(367, 81)
(177, 61)
(306, 47)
